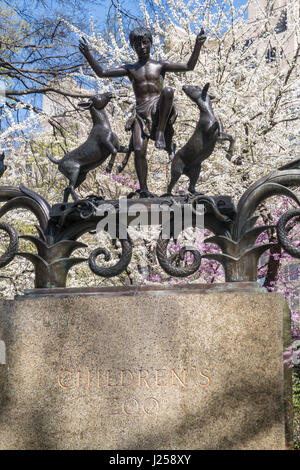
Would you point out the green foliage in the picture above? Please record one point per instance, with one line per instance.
(296, 405)
(11, 31)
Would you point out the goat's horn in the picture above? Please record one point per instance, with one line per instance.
(85, 104)
(204, 91)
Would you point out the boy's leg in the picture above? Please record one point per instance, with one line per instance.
(164, 109)
(140, 144)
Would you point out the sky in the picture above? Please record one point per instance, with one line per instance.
(98, 11)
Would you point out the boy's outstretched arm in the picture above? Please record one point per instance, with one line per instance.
(190, 65)
(117, 72)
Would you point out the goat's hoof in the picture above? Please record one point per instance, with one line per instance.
(193, 192)
(108, 169)
(144, 193)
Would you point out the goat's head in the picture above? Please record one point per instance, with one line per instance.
(98, 101)
(199, 95)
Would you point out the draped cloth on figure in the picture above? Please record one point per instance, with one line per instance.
(146, 115)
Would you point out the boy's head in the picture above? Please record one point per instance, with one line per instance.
(138, 34)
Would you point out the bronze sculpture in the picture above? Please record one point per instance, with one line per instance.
(61, 225)
(100, 144)
(3, 167)
(200, 146)
(154, 111)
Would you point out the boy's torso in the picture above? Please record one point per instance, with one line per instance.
(147, 80)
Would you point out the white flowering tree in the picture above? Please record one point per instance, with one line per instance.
(251, 73)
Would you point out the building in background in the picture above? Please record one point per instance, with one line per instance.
(280, 15)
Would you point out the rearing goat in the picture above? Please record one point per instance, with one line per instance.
(201, 144)
(100, 144)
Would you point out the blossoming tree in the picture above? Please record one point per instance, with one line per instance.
(255, 98)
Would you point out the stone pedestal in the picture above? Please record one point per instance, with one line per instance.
(180, 368)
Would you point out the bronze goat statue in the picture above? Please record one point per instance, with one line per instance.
(199, 147)
(3, 167)
(100, 144)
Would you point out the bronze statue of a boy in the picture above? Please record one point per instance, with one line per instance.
(154, 111)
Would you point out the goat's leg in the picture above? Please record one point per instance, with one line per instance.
(70, 190)
(113, 151)
(224, 136)
(125, 161)
(193, 174)
(128, 153)
(80, 179)
(73, 194)
(176, 171)
(110, 146)
(74, 181)
(67, 192)
(111, 163)
(170, 145)
(213, 132)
